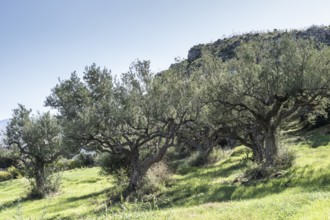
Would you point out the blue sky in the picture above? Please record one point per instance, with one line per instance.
(43, 40)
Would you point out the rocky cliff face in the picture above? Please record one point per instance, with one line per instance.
(225, 48)
(195, 52)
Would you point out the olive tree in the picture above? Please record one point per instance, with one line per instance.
(137, 116)
(265, 86)
(37, 142)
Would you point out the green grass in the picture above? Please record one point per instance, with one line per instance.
(302, 192)
(82, 192)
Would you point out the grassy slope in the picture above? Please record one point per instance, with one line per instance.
(82, 190)
(202, 193)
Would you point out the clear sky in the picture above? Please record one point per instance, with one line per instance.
(43, 40)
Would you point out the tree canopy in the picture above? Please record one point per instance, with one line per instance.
(137, 116)
(36, 142)
(265, 85)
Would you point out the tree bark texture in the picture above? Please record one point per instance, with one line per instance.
(40, 178)
(270, 145)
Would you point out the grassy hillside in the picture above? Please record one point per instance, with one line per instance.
(302, 192)
(80, 192)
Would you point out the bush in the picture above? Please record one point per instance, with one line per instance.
(284, 159)
(120, 183)
(62, 164)
(85, 160)
(197, 159)
(202, 158)
(79, 161)
(14, 172)
(255, 172)
(110, 164)
(157, 177)
(4, 176)
(6, 162)
(52, 185)
(10, 173)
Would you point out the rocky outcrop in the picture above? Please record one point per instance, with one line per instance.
(225, 48)
(195, 52)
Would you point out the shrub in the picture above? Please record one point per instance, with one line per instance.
(52, 184)
(218, 154)
(4, 176)
(110, 164)
(198, 159)
(62, 164)
(184, 166)
(255, 172)
(85, 160)
(120, 183)
(202, 158)
(6, 162)
(79, 161)
(14, 172)
(156, 178)
(10, 173)
(284, 159)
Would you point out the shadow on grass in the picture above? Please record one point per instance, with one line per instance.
(315, 138)
(233, 167)
(318, 140)
(14, 203)
(88, 196)
(305, 178)
(65, 203)
(186, 193)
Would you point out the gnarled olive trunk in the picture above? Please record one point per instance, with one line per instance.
(258, 155)
(257, 145)
(137, 173)
(140, 167)
(271, 147)
(39, 176)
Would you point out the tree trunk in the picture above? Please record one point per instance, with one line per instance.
(135, 178)
(270, 146)
(136, 173)
(139, 168)
(257, 153)
(40, 178)
(208, 151)
(257, 145)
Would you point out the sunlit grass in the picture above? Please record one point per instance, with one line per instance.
(302, 192)
(82, 192)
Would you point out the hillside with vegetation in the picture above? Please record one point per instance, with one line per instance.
(225, 48)
(239, 130)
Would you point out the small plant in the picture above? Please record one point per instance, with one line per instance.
(157, 177)
(218, 154)
(284, 158)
